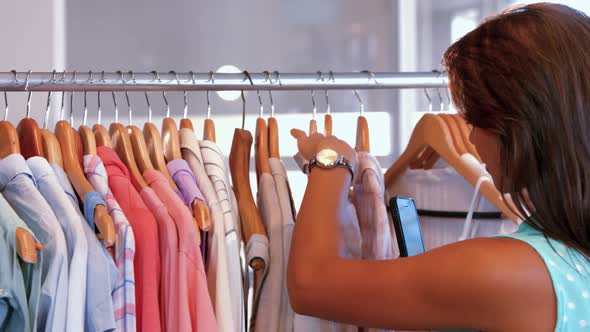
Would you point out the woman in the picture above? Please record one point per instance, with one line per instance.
(522, 79)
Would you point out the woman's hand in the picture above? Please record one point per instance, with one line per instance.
(310, 145)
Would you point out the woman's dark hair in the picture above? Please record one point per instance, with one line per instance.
(524, 76)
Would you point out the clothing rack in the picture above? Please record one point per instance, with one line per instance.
(188, 81)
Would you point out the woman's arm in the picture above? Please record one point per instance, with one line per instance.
(486, 284)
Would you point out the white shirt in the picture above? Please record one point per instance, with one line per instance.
(443, 189)
(224, 273)
(71, 225)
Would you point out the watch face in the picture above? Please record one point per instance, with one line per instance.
(327, 157)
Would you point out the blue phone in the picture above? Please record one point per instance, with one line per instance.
(407, 226)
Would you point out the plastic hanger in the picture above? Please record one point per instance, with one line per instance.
(86, 134)
(101, 134)
(261, 138)
(171, 142)
(122, 145)
(26, 246)
(51, 148)
(209, 125)
(239, 163)
(432, 131)
(273, 125)
(28, 130)
(72, 167)
(154, 145)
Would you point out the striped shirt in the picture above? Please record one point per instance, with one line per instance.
(124, 292)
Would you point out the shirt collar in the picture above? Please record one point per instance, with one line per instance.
(12, 166)
(190, 142)
(112, 162)
(65, 184)
(40, 167)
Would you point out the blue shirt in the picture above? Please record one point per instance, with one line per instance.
(20, 282)
(101, 271)
(570, 274)
(18, 187)
(71, 225)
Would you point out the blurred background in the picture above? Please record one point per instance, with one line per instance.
(255, 35)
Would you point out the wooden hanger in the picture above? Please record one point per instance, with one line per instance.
(328, 125)
(88, 140)
(209, 130)
(261, 148)
(455, 133)
(154, 145)
(51, 148)
(362, 135)
(465, 133)
(432, 131)
(102, 220)
(122, 145)
(273, 125)
(101, 135)
(362, 129)
(28, 131)
(140, 151)
(185, 122)
(239, 163)
(26, 246)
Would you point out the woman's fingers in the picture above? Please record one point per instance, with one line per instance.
(298, 134)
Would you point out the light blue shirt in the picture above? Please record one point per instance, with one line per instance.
(20, 282)
(18, 187)
(570, 274)
(72, 227)
(101, 272)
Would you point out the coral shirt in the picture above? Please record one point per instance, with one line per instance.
(147, 248)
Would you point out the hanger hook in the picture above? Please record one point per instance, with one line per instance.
(99, 111)
(185, 110)
(442, 103)
(28, 113)
(74, 75)
(429, 101)
(48, 106)
(6, 97)
(328, 108)
(272, 103)
(212, 80)
(163, 94)
(261, 113)
(149, 105)
(362, 106)
(90, 80)
(371, 75)
(63, 95)
(192, 80)
(129, 109)
(442, 77)
(315, 109)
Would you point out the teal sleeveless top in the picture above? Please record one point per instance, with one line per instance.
(570, 273)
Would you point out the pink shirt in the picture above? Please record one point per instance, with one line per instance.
(147, 249)
(192, 293)
(168, 258)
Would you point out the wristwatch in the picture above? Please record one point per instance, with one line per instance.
(329, 159)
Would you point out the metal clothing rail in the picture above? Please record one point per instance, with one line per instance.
(171, 81)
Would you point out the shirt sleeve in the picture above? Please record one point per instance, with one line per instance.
(185, 180)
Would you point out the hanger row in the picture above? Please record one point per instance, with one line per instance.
(191, 81)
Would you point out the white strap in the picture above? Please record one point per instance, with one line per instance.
(469, 230)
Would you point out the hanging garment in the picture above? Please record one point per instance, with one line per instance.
(196, 311)
(169, 312)
(443, 189)
(209, 165)
(288, 214)
(19, 189)
(146, 261)
(20, 282)
(72, 224)
(124, 299)
(370, 207)
(101, 271)
(268, 315)
(351, 242)
(570, 274)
